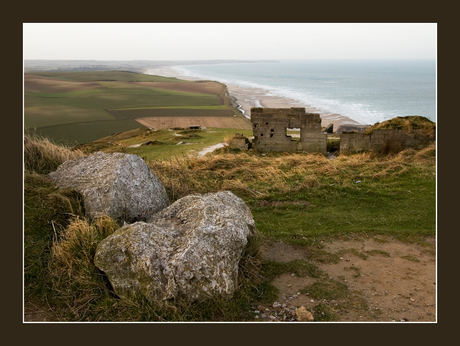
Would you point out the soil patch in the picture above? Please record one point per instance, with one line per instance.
(385, 279)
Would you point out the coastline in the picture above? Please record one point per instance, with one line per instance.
(248, 97)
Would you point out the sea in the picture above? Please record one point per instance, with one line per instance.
(367, 91)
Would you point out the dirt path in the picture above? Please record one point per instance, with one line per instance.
(210, 149)
(386, 280)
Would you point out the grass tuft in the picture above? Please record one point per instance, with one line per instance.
(43, 156)
(85, 292)
(74, 277)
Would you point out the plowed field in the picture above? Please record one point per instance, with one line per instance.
(168, 122)
(169, 112)
(50, 85)
(190, 87)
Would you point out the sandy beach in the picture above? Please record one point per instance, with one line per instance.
(255, 97)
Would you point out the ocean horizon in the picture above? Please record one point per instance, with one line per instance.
(367, 91)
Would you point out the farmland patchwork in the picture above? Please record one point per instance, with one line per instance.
(85, 106)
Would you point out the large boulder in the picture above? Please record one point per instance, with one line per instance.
(119, 185)
(190, 250)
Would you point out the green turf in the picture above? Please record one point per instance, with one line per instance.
(401, 207)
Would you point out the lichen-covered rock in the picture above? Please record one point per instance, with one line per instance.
(116, 184)
(191, 250)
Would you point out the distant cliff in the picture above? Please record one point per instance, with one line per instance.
(125, 65)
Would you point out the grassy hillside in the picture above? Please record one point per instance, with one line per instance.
(407, 124)
(301, 199)
(80, 107)
(162, 144)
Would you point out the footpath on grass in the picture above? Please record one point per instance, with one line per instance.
(210, 149)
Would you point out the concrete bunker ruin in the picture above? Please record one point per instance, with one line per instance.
(380, 139)
(274, 128)
(240, 142)
(271, 127)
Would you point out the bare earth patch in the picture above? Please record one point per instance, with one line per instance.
(386, 280)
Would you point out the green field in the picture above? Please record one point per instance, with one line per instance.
(172, 112)
(80, 107)
(85, 132)
(91, 76)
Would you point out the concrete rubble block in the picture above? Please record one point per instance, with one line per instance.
(352, 128)
(119, 185)
(240, 142)
(190, 250)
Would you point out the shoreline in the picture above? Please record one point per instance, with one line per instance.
(248, 97)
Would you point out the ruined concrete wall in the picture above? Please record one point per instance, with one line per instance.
(355, 142)
(240, 142)
(270, 130)
(314, 143)
(352, 128)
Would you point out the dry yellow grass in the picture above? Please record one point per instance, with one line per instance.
(72, 271)
(256, 176)
(82, 237)
(43, 156)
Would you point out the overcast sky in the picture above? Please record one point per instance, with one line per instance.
(198, 41)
